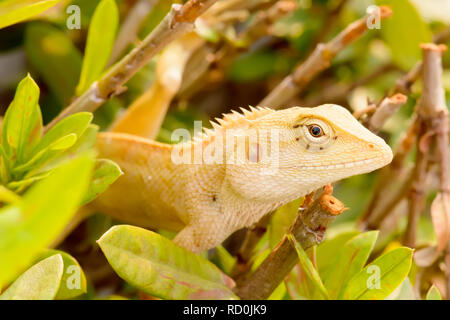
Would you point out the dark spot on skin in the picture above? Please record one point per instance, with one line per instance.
(335, 138)
(296, 126)
(321, 148)
(307, 146)
(298, 138)
(214, 198)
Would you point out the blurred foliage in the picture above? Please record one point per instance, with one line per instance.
(47, 176)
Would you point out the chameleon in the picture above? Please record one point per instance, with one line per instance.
(284, 155)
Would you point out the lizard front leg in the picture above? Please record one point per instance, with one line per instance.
(207, 232)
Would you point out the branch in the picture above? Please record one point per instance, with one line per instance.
(130, 27)
(405, 83)
(433, 107)
(309, 229)
(177, 22)
(338, 92)
(416, 190)
(385, 110)
(319, 60)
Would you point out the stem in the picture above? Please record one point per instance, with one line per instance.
(177, 22)
(319, 60)
(385, 110)
(130, 27)
(309, 229)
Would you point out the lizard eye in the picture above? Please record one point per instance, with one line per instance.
(315, 130)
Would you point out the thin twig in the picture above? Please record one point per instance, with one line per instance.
(319, 60)
(385, 110)
(416, 192)
(338, 92)
(130, 27)
(309, 229)
(177, 22)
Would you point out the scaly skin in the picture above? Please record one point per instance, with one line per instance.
(206, 202)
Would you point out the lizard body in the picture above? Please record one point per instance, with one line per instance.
(262, 159)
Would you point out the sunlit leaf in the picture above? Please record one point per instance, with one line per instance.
(350, 258)
(22, 117)
(100, 40)
(158, 267)
(281, 221)
(105, 173)
(326, 251)
(14, 11)
(73, 280)
(308, 267)
(381, 277)
(8, 196)
(74, 124)
(433, 294)
(40, 282)
(37, 220)
(403, 292)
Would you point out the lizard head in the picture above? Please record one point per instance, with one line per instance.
(311, 147)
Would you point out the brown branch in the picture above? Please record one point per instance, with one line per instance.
(416, 192)
(319, 60)
(390, 173)
(405, 83)
(309, 229)
(130, 27)
(252, 237)
(177, 22)
(433, 106)
(338, 92)
(385, 110)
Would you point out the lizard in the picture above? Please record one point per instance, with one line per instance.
(286, 154)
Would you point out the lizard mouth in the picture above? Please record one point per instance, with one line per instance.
(376, 161)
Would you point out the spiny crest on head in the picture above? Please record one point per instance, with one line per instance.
(233, 120)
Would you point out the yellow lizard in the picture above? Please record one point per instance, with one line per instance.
(249, 164)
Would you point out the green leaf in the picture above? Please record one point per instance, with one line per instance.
(434, 294)
(53, 55)
(86, 141)
(349, 260)
(106, 172)
(20, 185)
(225, 260)
(381, 277)
(64, 142)
(326, 251)
(14, 11)
(74, 124)
(100, 41)
(7, 196)
(158, 267)
(281, 221)
(22, 117)
(42, 215)
(308, 267)
(397, 33)
(404, 291)
(40, 282)
(59, 138)
(73, 280)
